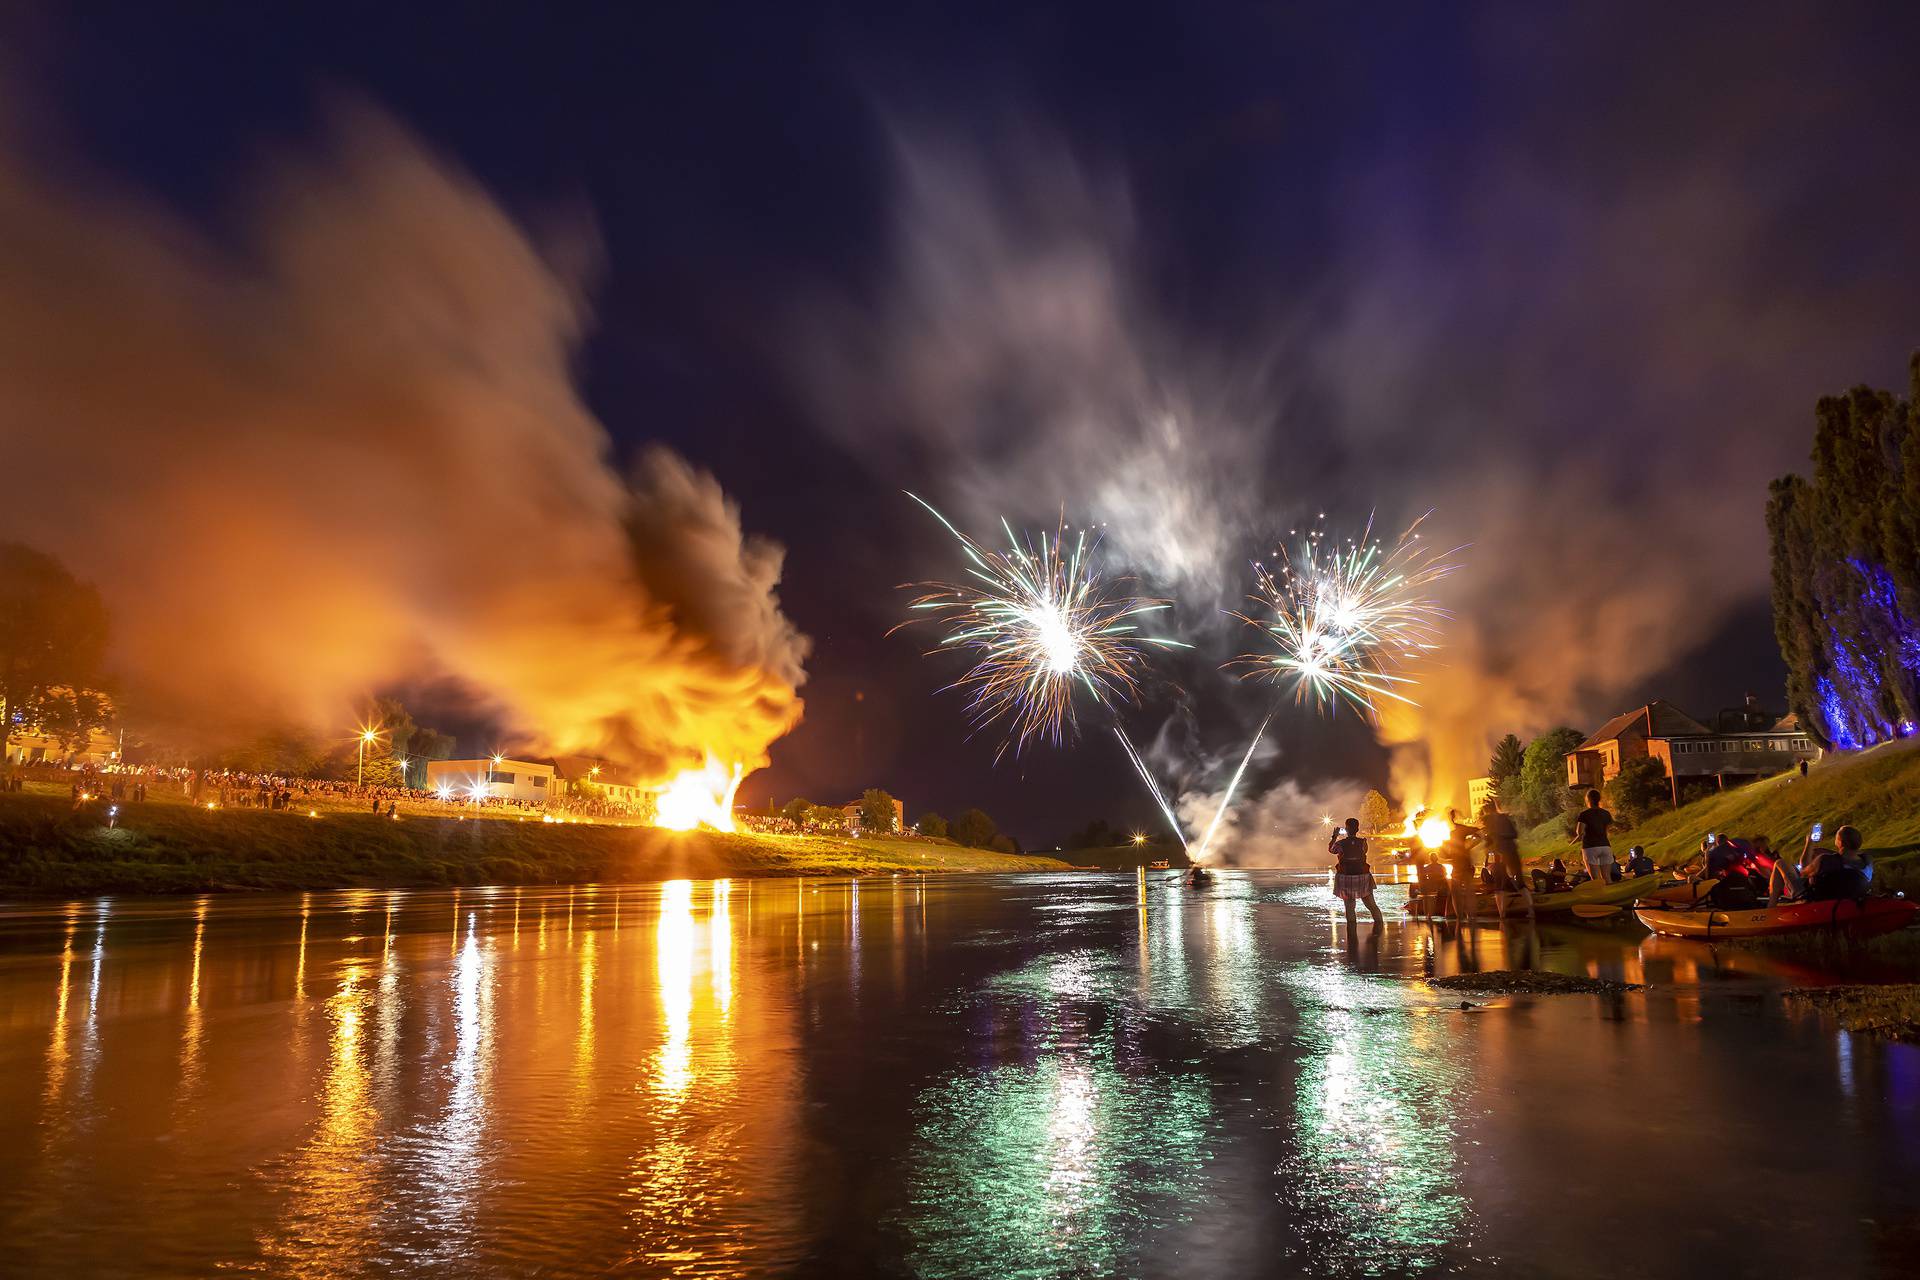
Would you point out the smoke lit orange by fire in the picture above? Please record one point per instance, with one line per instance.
(343, 450)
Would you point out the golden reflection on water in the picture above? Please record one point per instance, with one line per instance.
(195, 1022)
(57, 1041)
(327, 1228)
(673, 969)
(720, 947)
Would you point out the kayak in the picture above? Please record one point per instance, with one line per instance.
(1864, 919)
(1591, 893)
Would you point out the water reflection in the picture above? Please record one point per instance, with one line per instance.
(328, 1225)
(1054, 1159)
(1076, 1075)
(673, 967)
(1372, 1177)
(195, 1022)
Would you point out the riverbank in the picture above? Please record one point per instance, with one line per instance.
(47, 850)
(1877, 790)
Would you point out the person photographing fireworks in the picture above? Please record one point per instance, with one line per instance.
(1352, 877)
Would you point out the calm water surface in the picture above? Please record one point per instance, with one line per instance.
(1004, 1076)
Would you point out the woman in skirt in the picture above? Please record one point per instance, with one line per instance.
(1352, 877)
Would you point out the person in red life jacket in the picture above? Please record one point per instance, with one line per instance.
(1352, 877)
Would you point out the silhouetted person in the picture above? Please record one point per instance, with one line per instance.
(1592, 824)
(1352, 877)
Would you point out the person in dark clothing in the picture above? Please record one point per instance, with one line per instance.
(1503, 856)
(1554, 878)
(1352, 877)
(1430, 893)
(1462, 880)
(1591, 825)
(1638, 863)
(1839, 873)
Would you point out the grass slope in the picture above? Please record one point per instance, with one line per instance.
(46, 849)
(1877, 790)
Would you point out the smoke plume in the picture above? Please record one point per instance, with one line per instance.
(1587, 372)
(342, 447)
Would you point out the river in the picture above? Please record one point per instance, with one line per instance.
(1076, 1074)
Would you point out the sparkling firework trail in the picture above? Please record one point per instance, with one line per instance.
(1153, 788)
(1039, 621)
(1233, 784)
(1342, 618)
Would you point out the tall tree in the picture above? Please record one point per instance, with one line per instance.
(973, 829)
(932, 825)
(1508, 755)
(1543, 772)
(1846, 569)
(877, 813)
(53, 642)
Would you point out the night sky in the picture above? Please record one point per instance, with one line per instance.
(1412, 255)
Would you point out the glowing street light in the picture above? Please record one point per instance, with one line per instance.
(367, 738)
(1139, 837)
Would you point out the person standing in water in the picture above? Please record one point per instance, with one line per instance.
(1503, 855)
(1591, 825)
(1352, 877)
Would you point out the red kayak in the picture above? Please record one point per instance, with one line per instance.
(1863, 919)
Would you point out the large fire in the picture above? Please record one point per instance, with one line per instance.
(1430, 832)
(700, 797)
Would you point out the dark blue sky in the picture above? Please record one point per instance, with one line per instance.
(1612, 256)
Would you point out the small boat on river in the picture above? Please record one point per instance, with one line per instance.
(1865, 918)
(1592, 893)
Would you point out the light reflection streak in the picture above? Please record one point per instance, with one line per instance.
(300, 957)
(673, 964)
(583, 1036)
(195, 1026)
(454, 1176)
(1373, 1177)
(1055, 1160)
(328, 1225)
(720, 948)
(57, 1043)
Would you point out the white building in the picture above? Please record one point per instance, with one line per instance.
(492, 778)
(101, 747)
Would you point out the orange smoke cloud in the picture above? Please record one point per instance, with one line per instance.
(345, 449)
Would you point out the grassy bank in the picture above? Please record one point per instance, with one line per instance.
(1877, 790)
(48, 850)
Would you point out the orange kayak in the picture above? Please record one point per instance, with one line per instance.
(1863, 919)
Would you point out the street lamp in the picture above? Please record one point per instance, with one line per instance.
(367, 736)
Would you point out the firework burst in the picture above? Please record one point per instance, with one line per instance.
(1341, 619)
(1040, 623)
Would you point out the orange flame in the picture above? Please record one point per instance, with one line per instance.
(700, 797)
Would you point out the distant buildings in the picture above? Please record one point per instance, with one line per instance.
(1480, 791)
(1745, 743)
(851, 811)
(526, 781)
(102, 746)
(586, 776)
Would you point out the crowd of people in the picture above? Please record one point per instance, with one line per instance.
(1449, 881)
